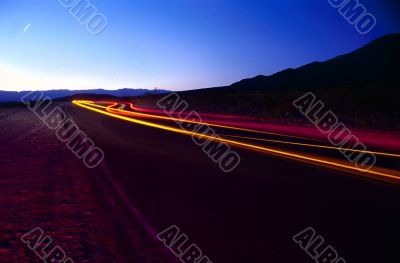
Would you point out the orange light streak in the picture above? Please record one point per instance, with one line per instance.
(314, 145)
(138, 114)
(377, 173)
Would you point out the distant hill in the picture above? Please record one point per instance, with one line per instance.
(362, 87)
(376, 62)
(14, 96)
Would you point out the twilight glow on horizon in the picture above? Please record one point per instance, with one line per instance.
(173, 44)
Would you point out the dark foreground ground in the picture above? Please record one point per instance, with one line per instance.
(151, 179)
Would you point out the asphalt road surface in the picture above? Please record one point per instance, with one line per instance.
(151, 179)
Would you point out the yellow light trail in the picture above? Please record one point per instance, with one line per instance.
(314, 145)
(145, 115)
(377, 173)
(113, 104)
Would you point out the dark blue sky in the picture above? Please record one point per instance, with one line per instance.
(173, 44)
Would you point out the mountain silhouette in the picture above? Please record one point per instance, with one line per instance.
(376, 62)
(361, 87)
(15, 96)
